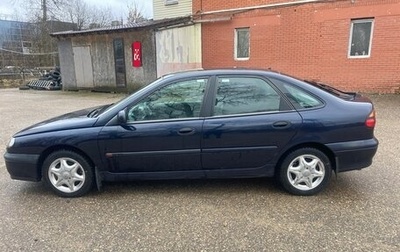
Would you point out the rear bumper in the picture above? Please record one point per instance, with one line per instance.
(354, 155)
(22, 166)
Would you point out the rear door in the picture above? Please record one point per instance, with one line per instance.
(250, 123)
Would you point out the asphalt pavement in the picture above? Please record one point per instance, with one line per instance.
(359, 211)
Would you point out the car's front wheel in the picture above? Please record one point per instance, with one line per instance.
(67, 173)
(305, 171)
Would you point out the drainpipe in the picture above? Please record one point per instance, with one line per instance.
(265, 6)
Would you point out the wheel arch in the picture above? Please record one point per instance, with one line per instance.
(55, 148)
(328, 152)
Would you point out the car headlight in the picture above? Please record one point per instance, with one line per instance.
(11, 143)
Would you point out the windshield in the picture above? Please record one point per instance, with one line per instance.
(97, 111)
(141, 90)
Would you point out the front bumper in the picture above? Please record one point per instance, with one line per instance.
(354, 155)
(22, 166)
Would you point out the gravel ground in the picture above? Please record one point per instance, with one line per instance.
(359, 211)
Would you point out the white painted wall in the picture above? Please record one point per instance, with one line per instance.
(180, 9)
(178, 49)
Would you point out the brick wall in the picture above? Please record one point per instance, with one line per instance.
(309, 41)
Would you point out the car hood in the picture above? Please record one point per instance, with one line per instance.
(73, 120)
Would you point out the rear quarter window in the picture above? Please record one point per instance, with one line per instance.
(299, 98)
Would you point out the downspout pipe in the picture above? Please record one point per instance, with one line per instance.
(265, 6)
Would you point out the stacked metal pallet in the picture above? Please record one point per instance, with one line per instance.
(41, 84)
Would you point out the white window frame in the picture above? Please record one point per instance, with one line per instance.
(357, 21)
(236, 43)
(170, 2)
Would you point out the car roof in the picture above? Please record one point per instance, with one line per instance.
(222, 71)
(322, 94)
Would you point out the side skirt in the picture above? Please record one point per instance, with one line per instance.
(197, 174)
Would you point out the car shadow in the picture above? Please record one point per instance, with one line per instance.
(214, 186)
(346, 186)
(341, 187)
(23, 189)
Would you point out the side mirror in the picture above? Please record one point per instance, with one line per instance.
(122, 117)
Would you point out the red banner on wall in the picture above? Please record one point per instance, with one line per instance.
(136, 54)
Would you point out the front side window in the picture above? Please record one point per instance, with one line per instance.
(242, 43)
(361, 38)
(241, 95)
(178, 100)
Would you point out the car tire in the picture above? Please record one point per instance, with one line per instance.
(68, 174)
(305, 172)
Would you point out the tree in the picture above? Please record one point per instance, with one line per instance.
(39, 12)
(42, 10)
(135, 13)
(84, 15)
(100, 16)
(50, 16)
(78, 13)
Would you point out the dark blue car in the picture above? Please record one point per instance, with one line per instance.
(203, 124)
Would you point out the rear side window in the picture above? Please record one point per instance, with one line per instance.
(241, 95)
(297, 96)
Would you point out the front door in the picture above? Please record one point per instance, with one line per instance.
(163, 132)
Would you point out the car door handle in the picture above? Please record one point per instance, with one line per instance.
(281, 125)
(186, 131)
(128, 127)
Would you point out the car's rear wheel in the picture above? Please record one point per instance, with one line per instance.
(67, 173)
(305, 171)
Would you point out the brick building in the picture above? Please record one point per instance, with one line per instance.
(351, 44)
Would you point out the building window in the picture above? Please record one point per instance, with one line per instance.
(361, 38)
(242, 43)
(170, 2)
(119, 61)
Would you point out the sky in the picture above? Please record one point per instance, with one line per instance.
(9, 8)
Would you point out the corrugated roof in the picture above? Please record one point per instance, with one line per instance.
(128, 27)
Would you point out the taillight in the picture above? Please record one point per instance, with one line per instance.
(371, 120)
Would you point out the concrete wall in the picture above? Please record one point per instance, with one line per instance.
(180, 9)
(102, 59)
(309, 41)
(137, 77)
(178, 49)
